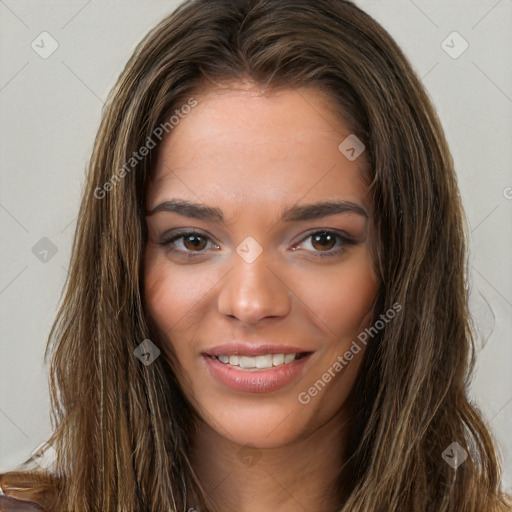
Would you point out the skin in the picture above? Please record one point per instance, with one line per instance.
(252, 154)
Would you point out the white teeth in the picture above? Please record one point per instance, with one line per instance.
(264, 361)
(247, 362)
(258, 362)
(278, 359)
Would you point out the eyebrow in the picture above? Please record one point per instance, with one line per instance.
(294, 213)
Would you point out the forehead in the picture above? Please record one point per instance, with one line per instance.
(255, 148)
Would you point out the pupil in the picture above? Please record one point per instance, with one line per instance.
(320, 236)
(195, 241)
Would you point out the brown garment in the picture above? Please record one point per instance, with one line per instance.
(11, 504)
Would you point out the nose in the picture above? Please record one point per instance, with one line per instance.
(253, 291)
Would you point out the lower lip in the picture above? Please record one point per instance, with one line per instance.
(255, 381)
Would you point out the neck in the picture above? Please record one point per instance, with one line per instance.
(301, 475)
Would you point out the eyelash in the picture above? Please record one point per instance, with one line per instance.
(322, 254)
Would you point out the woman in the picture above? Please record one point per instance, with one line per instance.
(266, 307)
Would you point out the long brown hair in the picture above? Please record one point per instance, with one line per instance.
(122, 430)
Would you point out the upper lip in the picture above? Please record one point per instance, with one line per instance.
(253, 349)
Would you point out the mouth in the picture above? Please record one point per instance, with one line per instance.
(260, 362)
(262, 373)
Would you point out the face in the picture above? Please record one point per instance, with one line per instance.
(254, 291)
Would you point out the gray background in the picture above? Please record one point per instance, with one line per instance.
(50, 113)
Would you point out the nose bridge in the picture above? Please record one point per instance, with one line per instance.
(252, 291)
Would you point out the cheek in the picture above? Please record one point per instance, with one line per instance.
(343, 296)
(164, 302)
(176, 298)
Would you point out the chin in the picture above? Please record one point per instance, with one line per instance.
(266, 423)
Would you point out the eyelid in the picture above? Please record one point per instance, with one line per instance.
(339, 233)
(345, 240)
(170, 236)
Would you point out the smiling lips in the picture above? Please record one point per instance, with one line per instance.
(259, 362)
(255, 368)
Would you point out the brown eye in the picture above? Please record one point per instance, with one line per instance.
(323, 241)
(194, 242)
(190, 243)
